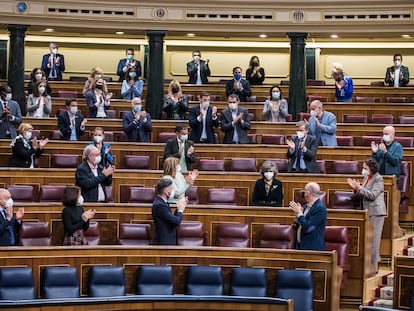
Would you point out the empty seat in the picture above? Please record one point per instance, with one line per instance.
(59, 282)
(192, 194)
(141, 195)
(164, 136)
(299, 197)
(109, 194)
(77, 79)
(405, 141)
(366, 140)
(311, 98)
(21, 193)
(210, 165)
(404, 187)
(137, 162)
(313, 82)
(93, 234)
(252, 138)
(243, 164)
(336, 239)
(383, 118)
(106, 281)
(396, 99)
(65, 160)
(67, 94)
(249, 282)
(322, 166)
(33, 233)
(110, 114)
(221, 196)
(233, 235)
(345, 140)
(16, 283)
(296, 285)
(190, 233)
(51, 193)
(36, 134)
(365, 99)
(345, 167)
(406, 119)
(252, 98)
(204, 281)
(55, 135)
(355, 118)
(343, 200)
(277, 236)
(134, 234)
(303, 116)
(273, 139)
(155, 280)
(377, 83)
(282, 164)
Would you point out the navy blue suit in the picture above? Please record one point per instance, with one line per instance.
(120, 70)
(64, 125)
(89, 183)
(165, 222)
(136, 131)
(5, 239)
(243, 94)
(197, 126)
(59, 67)
(313, 227)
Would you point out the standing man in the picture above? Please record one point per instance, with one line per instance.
(397, 75)
(136, 123)
(10, 114)
(9, 223)
(203, 120)
(71, 123)
(238, 86)
(91, 177)
(182, 148)
(53, 64)
(389, 153)
(322, 124)
(198, 69)
(165, 221)
(128, 62)
(310, 219)
(235, 122)
(302, 150)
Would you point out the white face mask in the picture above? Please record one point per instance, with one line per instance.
(9, 203)
(275, 95)
(98, 139)
(38, 76)
(97, 160)
(386, 138)
(313, 113)
(232, 106)
(73, 110)
(132, 74)
(171, 196)
(300, 134)
(365, 172)
(9, 97)
(184, 137)
(205, 105)
(41, 89)
(80, 201)
(28, 135)
(54, 51)
(196, 58)
(397, 63)
(268, 175)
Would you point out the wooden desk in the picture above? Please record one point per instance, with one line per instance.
(403, 281)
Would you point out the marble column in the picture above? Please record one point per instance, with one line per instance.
(155, 73)
(297, 84)
(16, 63)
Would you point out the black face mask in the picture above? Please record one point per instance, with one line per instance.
(99, 86)
(255, 64)
(175, 90)
(302, 194)
(338, 79)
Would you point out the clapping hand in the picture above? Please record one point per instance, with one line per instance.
(296, 208)
(190, 150)
(182, 204)
(374, 146)
(291, 144)
(42, 143)
(83, 123)
(353, 183)
(109, 170)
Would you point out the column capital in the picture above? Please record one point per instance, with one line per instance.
(17, 28)
(152, 33)
(295, 36)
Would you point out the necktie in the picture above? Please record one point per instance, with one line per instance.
(53, 67)
(10, 228)
(182, 158)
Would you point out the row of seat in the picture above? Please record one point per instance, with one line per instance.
(16, 283)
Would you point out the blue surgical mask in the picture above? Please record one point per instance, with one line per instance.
(237, 76)
(132, 74)
(275, 95)
(130, 57)
(137, 108)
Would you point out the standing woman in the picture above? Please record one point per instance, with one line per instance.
(175, 103)
(255, 74)
(268, 191)
(105, 149)
(371, 194)
(75, 220)
(24, 150)
(96, 73)
(131, 86)
(98, 100)
(39, 104)
(275, 107)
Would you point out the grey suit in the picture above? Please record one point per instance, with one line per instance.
(8, 124)
(241, 127)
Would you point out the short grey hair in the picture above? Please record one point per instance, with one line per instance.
(163, 183)
(87, 151)
(303, 123)
(269, 166)
(313, 188)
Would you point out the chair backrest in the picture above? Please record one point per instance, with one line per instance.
(355, 118)
(155, 280)
(252, 98)
(404, 182)
(111, 114)
(345, 167)
(312, 82)
(59, 282)
(249, 282)
(396, 99)
(134, 234)
(343, 200)
(377, 83)
(190, 233)
(141, 195)
(78, 78)
(210, 165)
(303, 115)
(282, 164)
(65, 160)
(367, 139)
(93, 234)
(296, 285)
(233, 235)
(252, 138)
(204, 281)
(16, 283)
(273, 139)
(109, 193)
(33, 233)
(383, 118)
(106, 281)
(345, 140)
(192, 194)
(137, 162)
(243, 164)
(277, 236)
(67, 94)
(164, 136)
(21, 193)
(365, 99)
(221, 196)
(299, 197)
(51, 193)
(317, 97)
(405, 141)
(406, 119)
(322, 166)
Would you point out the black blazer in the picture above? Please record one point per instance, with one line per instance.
(311, 144)
(405, 76)
(197, 126)
(165, 222)
(192, 72)
(228, 128)
(136, 131)
(64, 125)
(89, 183)
(243, 94)
(171, 150)
(4, 230)
(273, 198)
(22, 156)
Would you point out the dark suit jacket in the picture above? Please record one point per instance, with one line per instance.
(4, 230)
(120, 72)
(8, 125)
(90, 101)
(165, 222)
(136, 131)
(273, 198)
(405, 76)
(228, 128)
(192, 72)
(89, 183)
(197, 126)
(313, 227)
(311, 144)
(171, 150)
(59, 69)
(64, 125)
(243, 94)
(22, 156)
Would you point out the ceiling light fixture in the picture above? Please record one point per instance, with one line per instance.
(191, 34)
(406, 36)
(119, 33)
(49, 30)
(263, 35)
(334, 36)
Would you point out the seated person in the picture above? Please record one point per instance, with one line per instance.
(137, 123)
(268, 191)
(175, 103)
(131, 86)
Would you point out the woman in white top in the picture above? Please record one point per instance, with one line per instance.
(39, 103)
(275, 107)
(98, 100)
(181, 184)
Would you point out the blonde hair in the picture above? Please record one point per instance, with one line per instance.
(96, 70)
(23, 127)
(173, 83)
(337, 68)
(170, 166)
